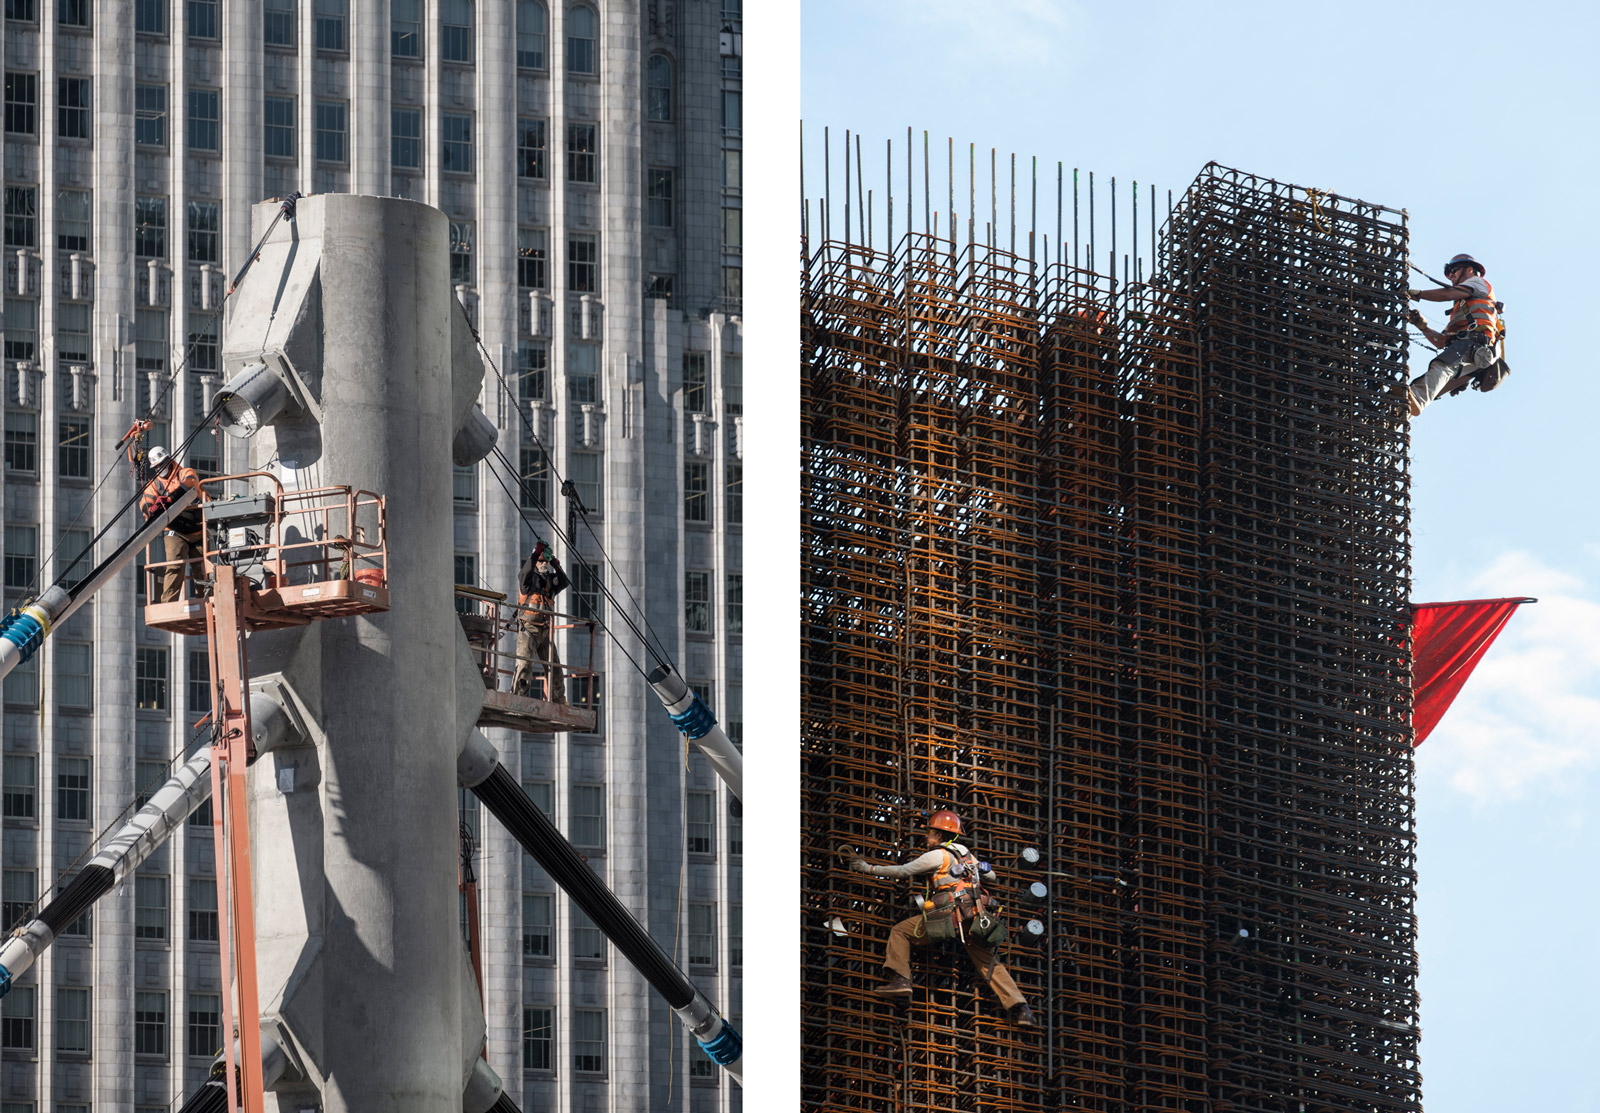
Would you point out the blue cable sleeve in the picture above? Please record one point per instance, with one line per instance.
(696, 720)
(25, 632)
(726, 1047)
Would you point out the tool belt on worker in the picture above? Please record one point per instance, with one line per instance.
(979, 922)
(940, 921)
(1480, 369)
(988, 928)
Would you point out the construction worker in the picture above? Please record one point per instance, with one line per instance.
(183, 534)
(955, 886)
(540, 582)
(1467, 344)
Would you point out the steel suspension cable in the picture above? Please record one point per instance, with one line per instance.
(657, 650)
(653, 642)
(517, 504)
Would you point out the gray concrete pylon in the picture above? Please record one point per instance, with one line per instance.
(355, 834)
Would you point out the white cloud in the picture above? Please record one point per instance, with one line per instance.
(1527, 721)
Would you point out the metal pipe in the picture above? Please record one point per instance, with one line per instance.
(694, 719)
(504, 797)
(24, 630)
(132, 844)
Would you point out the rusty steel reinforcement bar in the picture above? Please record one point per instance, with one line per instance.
(1108, 553)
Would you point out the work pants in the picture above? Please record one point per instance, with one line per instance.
(912, 932)
(1465, 355)
(177, 548)
(536, 639)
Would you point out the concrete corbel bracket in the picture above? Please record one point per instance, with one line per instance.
(281, 692)
(277, 309)
(299, 388)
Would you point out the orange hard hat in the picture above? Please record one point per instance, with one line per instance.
(945, 820)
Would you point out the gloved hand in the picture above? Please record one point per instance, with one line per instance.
(1416, 318)
(1413, 294)
(861, 865)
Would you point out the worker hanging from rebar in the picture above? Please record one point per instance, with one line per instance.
(1468, 354)
(541, 580)
(956, 908)
(183, 536)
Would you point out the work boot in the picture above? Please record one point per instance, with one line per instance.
(897, 986)
(1404, 392)
(1021, 1015)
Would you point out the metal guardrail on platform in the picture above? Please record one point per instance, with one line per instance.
(492, 623)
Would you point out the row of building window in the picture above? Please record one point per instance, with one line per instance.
(74, 661)
(74, 454)
(697, 493)
(72, 803)
(406, 38)
(329, 27)
(330, 121)
(151, 910)
(203, 1034)
(584, 471)
(588, 1040)
(697, 602)
(75, 224)
(203, 1030)
(72, 106)
(75, 230)
(331, 126)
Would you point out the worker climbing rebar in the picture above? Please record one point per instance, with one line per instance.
(1467, 346)
(183, 534)
(540, 581)
(956, 908)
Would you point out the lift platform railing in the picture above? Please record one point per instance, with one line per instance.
(305, 554)
(492, 622)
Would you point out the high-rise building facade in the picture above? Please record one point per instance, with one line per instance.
(588, 156)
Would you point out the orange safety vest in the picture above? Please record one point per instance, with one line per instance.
(163, 490)
(1476, 314)
(948, 884)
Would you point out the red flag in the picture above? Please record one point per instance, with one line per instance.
(1447, 641)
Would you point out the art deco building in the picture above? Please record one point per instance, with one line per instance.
(588, 156)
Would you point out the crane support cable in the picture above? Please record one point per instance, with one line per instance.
(517, 504)
(285, 211)
(116, 462)
(653, 642)
(650, 642)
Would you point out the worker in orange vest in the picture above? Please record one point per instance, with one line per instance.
(541, 580)
(1467, 344)
(183, 534)
(954, 909)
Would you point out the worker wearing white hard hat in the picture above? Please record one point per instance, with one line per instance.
(181, 540)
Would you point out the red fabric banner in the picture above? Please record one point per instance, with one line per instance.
(1447, 641)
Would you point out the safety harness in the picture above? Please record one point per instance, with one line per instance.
(958, 887)
(1478, 314)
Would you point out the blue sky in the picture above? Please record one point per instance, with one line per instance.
(1479, 120)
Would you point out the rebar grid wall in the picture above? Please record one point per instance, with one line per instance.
(1116, 569)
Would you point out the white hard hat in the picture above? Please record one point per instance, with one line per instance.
(158, 457)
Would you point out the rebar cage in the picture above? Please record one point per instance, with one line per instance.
(1117, 568)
